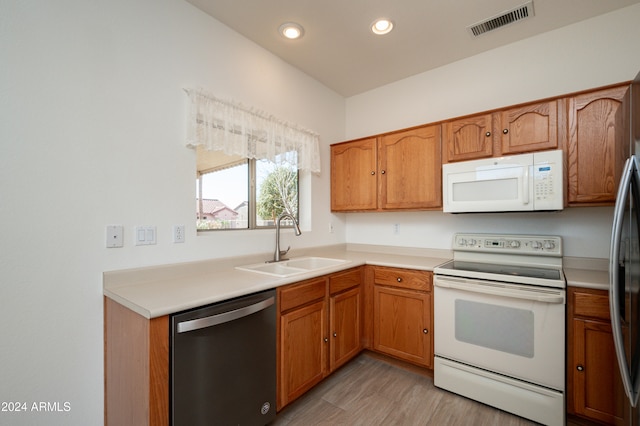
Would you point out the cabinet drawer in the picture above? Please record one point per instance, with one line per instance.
(590, 303)
(403, 278)
(300, 294)
(345, 280)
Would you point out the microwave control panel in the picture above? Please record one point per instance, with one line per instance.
(547, 180)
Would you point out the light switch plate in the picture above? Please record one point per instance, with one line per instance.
(145, 235)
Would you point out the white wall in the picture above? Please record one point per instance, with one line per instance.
(91, 132)
(585, 55)
(92, 124)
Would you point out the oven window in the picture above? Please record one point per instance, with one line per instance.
(495, 327)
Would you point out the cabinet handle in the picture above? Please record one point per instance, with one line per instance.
(373, 173)
(326, 340)
(580, 367)
(487, 134)
(335, 334)
(382, 171)
(425, 331)
(399, 279)
(505, 131)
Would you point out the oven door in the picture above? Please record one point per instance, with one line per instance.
(514, 330)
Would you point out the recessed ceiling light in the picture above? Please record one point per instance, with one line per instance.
(291, 30)
(382, 26)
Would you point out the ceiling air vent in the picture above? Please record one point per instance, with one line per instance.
(505, 18)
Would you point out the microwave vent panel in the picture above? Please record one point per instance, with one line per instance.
(507, 17)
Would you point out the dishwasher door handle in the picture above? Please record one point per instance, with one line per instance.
(224, 317)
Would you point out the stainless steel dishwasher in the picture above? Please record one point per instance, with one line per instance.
(223, 363)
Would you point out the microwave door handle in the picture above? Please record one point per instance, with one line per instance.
(614, 277)
(525, 186)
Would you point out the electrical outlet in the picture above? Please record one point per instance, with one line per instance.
(396, 228)
(178, 233)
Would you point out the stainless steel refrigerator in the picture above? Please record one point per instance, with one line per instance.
(624, 266)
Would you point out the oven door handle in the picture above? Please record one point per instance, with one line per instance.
(546, 296)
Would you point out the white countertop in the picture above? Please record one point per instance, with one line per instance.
(166, 289)
(586, 272)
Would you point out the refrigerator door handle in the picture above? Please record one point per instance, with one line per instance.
(630, 172)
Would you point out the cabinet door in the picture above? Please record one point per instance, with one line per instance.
(467, 138)
(410, 169)
(402, 324)
(529, 128)
(344, 323)
(354, 175)
(598, 392)
(303, 350)
(598, 126)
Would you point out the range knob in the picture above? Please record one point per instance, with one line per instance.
(514, 244)
(549, 245)
(462, 242)
(471, 242)
(536, 244)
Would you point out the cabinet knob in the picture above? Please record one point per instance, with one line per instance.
(326, 339)
(505, 131)
(373, 172)
(487, 134)
(425, 331)
(335, 334)
(580, 367)
(382, 171)
(399, 279)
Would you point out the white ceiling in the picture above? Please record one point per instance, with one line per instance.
(339, 50)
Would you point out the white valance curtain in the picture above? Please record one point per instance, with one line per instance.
(234, 129)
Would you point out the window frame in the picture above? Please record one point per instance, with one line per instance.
(252, 220)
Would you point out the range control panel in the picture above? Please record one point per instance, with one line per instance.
(547, 245)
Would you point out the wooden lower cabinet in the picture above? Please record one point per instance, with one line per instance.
(319, 329)
(594, 387)
(403, 314)
(345, 325)
(302, 350)
(136, 363)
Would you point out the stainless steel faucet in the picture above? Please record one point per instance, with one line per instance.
(277, 256)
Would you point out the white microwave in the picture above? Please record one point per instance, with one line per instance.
(523, 182)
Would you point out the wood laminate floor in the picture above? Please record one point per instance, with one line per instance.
(370, 391)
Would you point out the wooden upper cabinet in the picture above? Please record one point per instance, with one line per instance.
(410, 169)
(597, 144)
(354, 180)
(401, 170)
(527, 128)
(467, 138)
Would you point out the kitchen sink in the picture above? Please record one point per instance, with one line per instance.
(312, 263)
(291, 267)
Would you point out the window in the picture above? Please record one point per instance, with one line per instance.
(237, 193)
